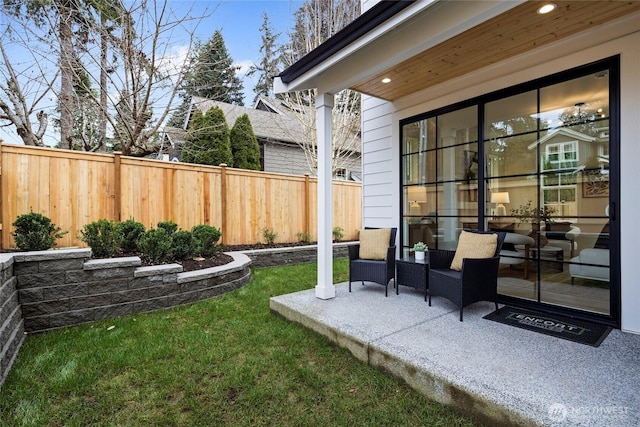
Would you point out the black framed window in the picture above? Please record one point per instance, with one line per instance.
(535, 160)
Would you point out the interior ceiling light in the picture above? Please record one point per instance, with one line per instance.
(386, 80)
(546, 8)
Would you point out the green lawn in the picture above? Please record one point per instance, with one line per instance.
(226, 361)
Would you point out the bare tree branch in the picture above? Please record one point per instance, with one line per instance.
(316, 21)
(17, 107)
(135, 91)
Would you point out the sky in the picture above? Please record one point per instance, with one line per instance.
(238, 20)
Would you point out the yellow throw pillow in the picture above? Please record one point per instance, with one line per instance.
(374, 243)
(474, 245)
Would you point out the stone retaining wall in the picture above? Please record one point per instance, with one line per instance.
(293, 255)
(11, 323)
(62, 288)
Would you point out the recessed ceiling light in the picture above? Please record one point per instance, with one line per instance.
(386, 80)
(546, 8)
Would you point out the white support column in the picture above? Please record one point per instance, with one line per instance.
(324, 106)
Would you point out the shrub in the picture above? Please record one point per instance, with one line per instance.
(169, 226)
(338, 233)
(244, 145)
(207, 141)
(127, 234)
(303, 237)
(35, 232)
(269, 235)
(101, 237)
(206, 237)
(156, 245)
(184, 245)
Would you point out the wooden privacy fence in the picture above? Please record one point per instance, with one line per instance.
(75, 188)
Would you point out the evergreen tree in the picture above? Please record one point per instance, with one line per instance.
(268, 66)
(192, 140)
(208, 140)
(244, 145)
(179, 115)
(213, 75)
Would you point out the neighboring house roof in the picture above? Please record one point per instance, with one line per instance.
(268, 104)
(570, 133)
(275, 126)
(174, 136)
(272, 119)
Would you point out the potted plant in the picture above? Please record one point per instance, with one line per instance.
(534, 215)
(420, 248)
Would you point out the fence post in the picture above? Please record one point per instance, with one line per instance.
(223, 199)
(307, 213)
(117, 194)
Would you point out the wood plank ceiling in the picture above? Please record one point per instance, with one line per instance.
(515, 32)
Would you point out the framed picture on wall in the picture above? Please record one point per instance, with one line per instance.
(595, 184)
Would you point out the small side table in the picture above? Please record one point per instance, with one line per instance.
(413, 273)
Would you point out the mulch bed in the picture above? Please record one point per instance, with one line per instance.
(217, 260)
(220, 258)
(200, 263)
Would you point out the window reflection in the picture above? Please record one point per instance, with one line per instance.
(545, 158)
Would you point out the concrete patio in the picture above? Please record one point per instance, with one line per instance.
(498, 374)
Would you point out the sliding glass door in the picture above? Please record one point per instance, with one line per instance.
(534, 161)
(548, 150)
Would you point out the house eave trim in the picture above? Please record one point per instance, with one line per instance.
(343, 38)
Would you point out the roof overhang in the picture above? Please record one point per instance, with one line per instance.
(429, 42)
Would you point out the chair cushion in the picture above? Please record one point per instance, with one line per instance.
(374, 243)
(474, 245)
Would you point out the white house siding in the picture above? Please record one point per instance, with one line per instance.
(629, 193)
(381, 132)
(379, 164)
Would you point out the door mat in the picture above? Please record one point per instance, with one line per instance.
(550, 324)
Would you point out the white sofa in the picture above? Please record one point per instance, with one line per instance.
(563, 239)
(591, 263)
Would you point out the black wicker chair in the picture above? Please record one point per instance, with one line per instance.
(372, 270)
(478, 280)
